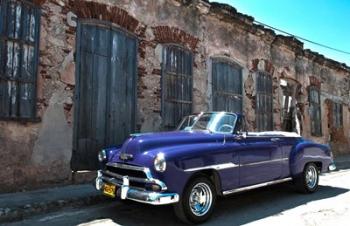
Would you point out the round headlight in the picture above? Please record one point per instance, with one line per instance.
(160, 163)
(102, 156)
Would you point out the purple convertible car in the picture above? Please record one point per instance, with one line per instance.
(216, 157)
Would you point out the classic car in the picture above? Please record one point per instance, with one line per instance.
(217, 157)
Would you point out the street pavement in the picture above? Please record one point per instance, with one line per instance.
(275, 205)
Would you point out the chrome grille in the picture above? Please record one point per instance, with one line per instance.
(116, 171)
(138, 176)
(126, 172)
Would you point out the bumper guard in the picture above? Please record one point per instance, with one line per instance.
(124, 191)
(332, 167)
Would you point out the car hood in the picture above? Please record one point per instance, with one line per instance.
(140, 143)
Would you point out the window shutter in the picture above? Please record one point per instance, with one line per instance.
(337, 115)
(264, 99)
(18, 59)
(315, 111)
(226, 86)
(176, 85)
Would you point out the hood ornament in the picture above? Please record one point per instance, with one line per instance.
(126, 156)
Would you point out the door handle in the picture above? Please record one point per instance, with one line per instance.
(275, 139)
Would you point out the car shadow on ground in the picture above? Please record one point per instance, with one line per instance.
(237, 209)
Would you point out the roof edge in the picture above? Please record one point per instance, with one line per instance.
(230, 14)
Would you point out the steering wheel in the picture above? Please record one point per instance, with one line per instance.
(229, 128)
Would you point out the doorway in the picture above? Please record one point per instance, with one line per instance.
(105, 92)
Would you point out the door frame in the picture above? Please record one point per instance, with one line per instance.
(77, 58)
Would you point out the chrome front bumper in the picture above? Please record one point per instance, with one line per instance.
(332, 167)
(124, 191)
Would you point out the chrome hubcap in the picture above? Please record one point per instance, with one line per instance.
(311, 177)
(200, 199)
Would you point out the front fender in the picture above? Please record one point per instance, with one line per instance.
(181, 159)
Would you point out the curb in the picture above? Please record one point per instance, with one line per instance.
(20, 212)
(342, 165)
(342, 162)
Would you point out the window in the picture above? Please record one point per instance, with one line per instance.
(337, 115)
(264, 102)
(19, 35)
(315, 111)
(227, 86)
(176, 85)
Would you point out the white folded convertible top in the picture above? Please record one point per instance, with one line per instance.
(274, 133)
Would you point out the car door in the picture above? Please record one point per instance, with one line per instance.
(260, 160)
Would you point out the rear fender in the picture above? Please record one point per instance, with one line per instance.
(306, 152)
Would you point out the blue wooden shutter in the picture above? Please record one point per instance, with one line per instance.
(337, 115)
(105, 91)
(315, 111)
(264, 110)
(227, 86)
(19, 44)
(176, 85)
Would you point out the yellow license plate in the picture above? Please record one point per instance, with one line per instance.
(109, 189)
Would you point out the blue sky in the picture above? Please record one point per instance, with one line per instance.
(322, 21)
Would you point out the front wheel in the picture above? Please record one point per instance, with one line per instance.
(308, 181)
(197, 202)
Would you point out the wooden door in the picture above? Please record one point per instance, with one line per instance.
(105, 94)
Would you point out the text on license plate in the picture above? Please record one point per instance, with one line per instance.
(109, 189)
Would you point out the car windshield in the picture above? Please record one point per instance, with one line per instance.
(218, 122)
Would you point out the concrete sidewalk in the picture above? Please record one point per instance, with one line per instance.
(16, 206)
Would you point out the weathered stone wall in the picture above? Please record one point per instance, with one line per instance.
(35, 154)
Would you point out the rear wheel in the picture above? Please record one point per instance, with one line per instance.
(307, 182)
(197, 202)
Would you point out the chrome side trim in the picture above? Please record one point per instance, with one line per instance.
(236, 190)
(265, 162)
(229, 165)
(318, 156)
(216, 167)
